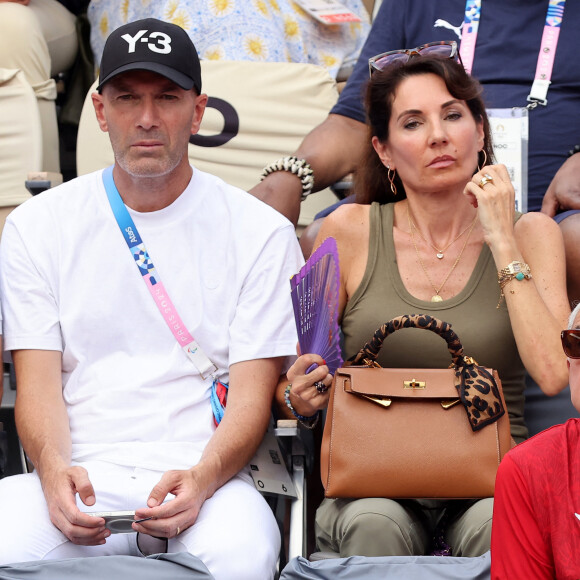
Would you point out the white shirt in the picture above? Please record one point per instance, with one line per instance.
(70, 283)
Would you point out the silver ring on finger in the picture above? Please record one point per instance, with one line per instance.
(321, 387)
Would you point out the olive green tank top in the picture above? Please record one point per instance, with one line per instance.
(484, 330)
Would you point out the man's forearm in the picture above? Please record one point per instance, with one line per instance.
(234, 443)
(41, 416)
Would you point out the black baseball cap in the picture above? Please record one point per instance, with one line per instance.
(152, 45)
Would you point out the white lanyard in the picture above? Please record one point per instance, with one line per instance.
(546, 56)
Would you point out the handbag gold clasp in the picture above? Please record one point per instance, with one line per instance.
(382, 402)
(414, 384)
(448, 404)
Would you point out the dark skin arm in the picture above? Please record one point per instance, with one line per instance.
(333, 150)
(563, 192)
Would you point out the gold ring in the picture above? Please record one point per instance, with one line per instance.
(177, 531)
(487, 178)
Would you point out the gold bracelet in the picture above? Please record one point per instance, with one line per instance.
(515, 270)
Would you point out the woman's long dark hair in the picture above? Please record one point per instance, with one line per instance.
(371, 181)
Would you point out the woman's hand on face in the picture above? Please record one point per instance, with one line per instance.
(491, 191)
(309, 392)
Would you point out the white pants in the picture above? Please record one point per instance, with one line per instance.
(235, 535)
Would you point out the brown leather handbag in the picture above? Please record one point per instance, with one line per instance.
(414, 433)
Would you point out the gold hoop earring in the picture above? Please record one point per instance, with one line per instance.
(391, 178)
(484, 160)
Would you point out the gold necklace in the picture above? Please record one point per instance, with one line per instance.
(436, 297)
(440, 253)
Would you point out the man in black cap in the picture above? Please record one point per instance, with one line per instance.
(117, 401)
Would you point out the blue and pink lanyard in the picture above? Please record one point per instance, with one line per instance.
(546, 55)
(156, 288)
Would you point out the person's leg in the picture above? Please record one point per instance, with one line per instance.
(117, 488)
(469, 527)
(235, 535)
(26, 532)
(372, 527)
(22, 43)
(59, 31)
(23, 46)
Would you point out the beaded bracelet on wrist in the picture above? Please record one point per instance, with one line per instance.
(574, 150)
(308, 422)
(299, 167)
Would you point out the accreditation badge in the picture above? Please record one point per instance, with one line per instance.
(328, 11)
(509, 130)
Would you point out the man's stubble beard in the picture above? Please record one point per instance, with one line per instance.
(144, 166)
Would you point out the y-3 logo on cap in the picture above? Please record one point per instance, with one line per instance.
(162, 45)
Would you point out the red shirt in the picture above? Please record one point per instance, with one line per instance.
(536, 515)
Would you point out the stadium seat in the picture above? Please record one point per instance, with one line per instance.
(20, 136)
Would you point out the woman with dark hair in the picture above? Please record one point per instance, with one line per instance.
(433, 232)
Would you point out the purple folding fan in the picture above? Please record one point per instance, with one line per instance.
(314, 290)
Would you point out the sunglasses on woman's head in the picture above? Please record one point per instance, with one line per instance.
(442, 49)
(571, 342)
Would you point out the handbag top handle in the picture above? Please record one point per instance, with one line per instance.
(478, 389)
(370, 351)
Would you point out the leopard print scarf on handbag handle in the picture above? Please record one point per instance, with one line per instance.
(477, 387)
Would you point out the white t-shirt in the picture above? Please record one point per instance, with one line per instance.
(70, 283)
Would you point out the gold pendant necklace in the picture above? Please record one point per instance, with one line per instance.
(436, 297)
(440, 253)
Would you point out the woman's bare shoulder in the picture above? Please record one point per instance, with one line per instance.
(535, 225)
(541, 242)
(346, 221)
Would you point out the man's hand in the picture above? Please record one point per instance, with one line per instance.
(60, 488)
(564, 191)
(232, 445)
(173, 517)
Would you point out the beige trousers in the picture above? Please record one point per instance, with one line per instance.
(384, 527)
(40, 40)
